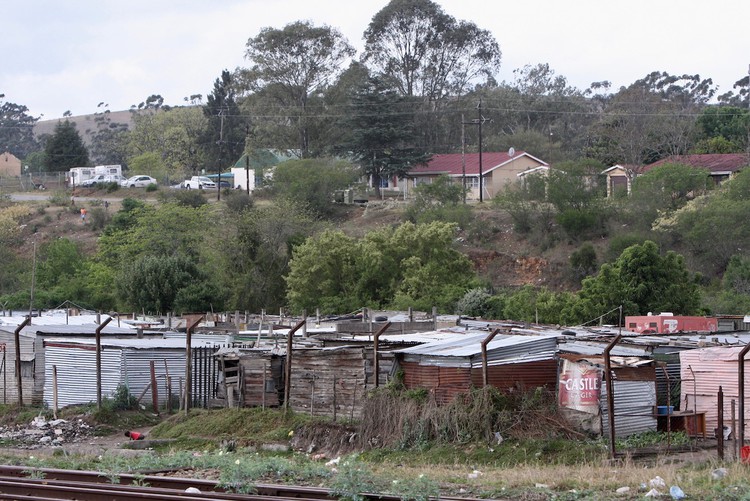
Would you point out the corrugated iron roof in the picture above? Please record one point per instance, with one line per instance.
(73, 330)
(134, 343)
(584, 348)
(470, 345)
(57, 318)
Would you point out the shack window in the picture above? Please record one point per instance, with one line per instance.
(632, 325)
(652, 324)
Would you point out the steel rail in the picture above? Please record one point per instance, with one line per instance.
(96, 481)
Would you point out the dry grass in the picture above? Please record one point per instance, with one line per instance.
(588, 480)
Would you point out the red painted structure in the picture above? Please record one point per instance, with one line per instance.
(668, 324)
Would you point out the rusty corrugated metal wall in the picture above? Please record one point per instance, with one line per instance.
(528, 375)
(444, 382)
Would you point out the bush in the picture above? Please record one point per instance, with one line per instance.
(99, 218)
(186, 198)
(237, 201)
(583, 262)
(475, 303)
(151, 187)
(578, 224)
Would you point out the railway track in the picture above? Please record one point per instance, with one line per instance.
(54, 484)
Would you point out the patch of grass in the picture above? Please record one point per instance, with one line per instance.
(254, 425)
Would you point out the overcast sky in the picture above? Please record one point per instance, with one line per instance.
(60, 55)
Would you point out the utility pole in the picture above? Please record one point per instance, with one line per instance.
(463, 156)
(221, 143)
(477, 121)
(480, 119)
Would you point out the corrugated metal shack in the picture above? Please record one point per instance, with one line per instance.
(32, 357)
(703, 371)
(582, 393)
(8, 381)
(123, 362)
(453, 366)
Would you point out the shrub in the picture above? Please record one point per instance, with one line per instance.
(583, 262)
(475, 303)
(237, 201)
(99, 218)
(151, 187)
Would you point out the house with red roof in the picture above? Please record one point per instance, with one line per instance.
(497, 170)
(721, 166)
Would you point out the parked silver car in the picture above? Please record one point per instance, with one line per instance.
(138, 182)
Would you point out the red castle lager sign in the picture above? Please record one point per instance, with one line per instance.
(580, 387)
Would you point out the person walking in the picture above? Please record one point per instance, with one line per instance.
(83, 215)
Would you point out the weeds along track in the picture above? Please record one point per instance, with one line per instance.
(20, 482)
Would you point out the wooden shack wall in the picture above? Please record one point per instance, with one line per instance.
(263, 380)
(329, 382)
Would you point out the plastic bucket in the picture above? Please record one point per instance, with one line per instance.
(745, 454)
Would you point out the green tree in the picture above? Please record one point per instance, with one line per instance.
(290, 66)
(109, 140)
(434, 58)
(440, 200)
(409, 266)
(174, 135)
(58, 261)
(224, 139)
(381, 134)
(152, 283)
(641, 280)
(313, 181)
(427, 52)
(583, 261)
(573, 189)
(16, 129)
(253, 249)
(723, 128)
(65, 149)
(539, 305)
(649, 120)
(664, 189)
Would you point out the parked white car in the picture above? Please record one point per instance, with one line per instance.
(103, 179)
(138, 182)
(199, 183)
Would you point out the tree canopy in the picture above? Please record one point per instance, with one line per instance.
(409, 266)
(65, 149)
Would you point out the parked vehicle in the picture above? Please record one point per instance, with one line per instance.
(199, 183)
(103, 179)
(138, 182)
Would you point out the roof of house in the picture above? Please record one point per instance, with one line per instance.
(625, 167)
(716, 163)
(451, 164)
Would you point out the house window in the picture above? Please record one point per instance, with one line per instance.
(383, 182)
(472, 183)
(422, 180)
(652, 325)
(632, 325)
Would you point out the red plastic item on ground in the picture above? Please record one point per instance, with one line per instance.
(745, 454)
